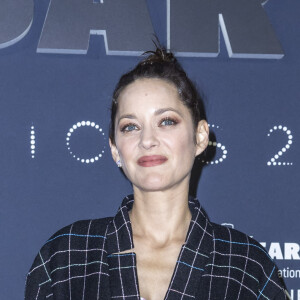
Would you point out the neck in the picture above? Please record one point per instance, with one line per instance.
(160, 217)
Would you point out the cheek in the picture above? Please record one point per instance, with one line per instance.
(126, 147)
(188, 146)
(183, 144)
(187, 137)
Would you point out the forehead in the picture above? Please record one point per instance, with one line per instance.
(147, 93)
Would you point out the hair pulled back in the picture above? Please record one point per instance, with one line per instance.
(163, 65)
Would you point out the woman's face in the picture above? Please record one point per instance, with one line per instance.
(155, 136)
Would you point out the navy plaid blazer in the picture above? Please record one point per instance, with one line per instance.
(215, 262)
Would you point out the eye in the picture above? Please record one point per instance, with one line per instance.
(129, 127)
(168, 122)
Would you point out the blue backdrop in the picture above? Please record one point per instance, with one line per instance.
(55, 163)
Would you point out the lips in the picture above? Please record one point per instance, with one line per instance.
(151, 161)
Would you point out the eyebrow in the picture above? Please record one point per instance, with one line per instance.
(156, 113)
(162, 110)
(127, 116)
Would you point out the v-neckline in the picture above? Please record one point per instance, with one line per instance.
(179, 278)
(190, 263)
(172, 277)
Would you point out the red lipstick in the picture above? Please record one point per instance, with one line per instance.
(151, 161)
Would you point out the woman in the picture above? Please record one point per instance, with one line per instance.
(160, 244)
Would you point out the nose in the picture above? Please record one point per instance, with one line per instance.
(148, 138)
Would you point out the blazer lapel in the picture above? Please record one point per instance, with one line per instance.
(193, 257)
(122, 267)
(123, 276)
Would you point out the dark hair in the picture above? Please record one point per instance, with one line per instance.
(162, 65)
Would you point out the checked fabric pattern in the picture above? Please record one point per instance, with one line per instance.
(81, 261)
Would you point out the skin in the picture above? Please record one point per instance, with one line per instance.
(151, 120)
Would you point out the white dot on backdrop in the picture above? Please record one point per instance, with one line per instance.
(93, 124)
(71, 129)
(276, 156)
(288, 132)
(284, 128)
(83, 123)
(290, 142)
(214, 144)
(290, 137)
(280, 153)
(219, 145)
(32, 147)
(283, 149)
(88, 123)
(78, 124)
(74, 126)
(272, 159)
(269, 164)
(280, 127)
(287, 146)
(32, 137)
(223, 147)
(32, 142)
(32, 132)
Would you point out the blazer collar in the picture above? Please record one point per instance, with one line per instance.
(119, 233)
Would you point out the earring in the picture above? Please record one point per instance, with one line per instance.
(119, 164)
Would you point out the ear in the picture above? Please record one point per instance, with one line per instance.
(114, 151)
(202, 136)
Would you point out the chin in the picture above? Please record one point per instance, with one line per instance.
(152, 184)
